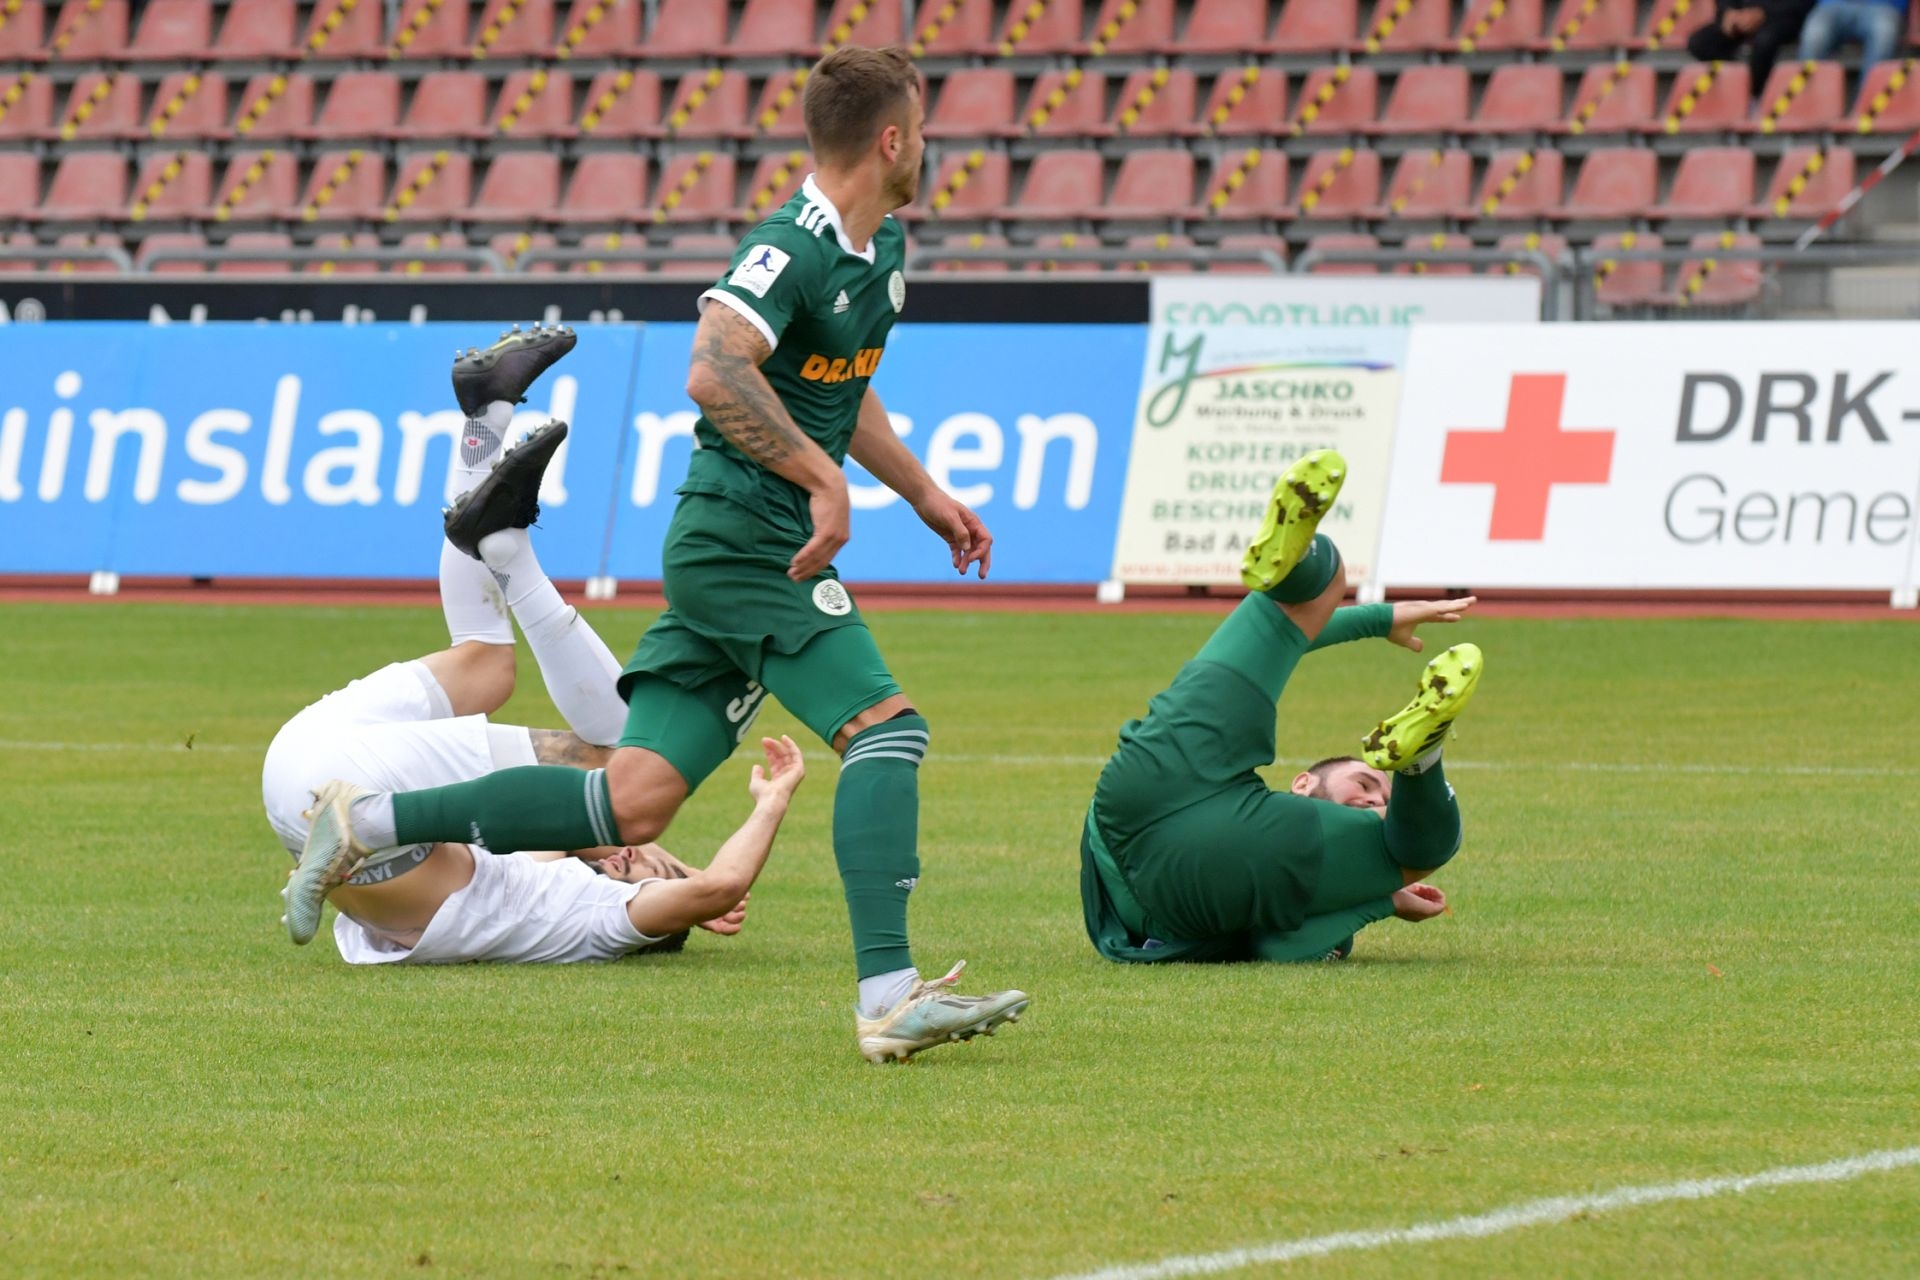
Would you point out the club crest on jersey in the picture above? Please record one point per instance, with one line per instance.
(830, 598)
(897, 290)
(759, 269)
(819, 368)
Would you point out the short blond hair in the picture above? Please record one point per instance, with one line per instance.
(851, 95)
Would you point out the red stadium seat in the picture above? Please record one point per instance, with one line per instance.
(1824, 178)
(172, 30)
(710, 104)
(690, 29)
(345, 29)
(435, 186)
(695, 187)
(257, 185)
(1066, 103)
(431, 29)
(189, 105)
(775, 179)
(1055, 29)
(1425, 100)
(1159, 240)
(1321, 26)
(22, 32)
(512, 246)
(425, 265)
(1157, 103)
(258, 31)
(1151, 184)
(1337, 100)
(967, 30)
(514, 29)
(978, 240)
(607, 187)
(1802, 97)
(1339, 184)
(1620, 283)
(1589, 24)
(84, 266)
(1437, 243)
(242, 245)
(519, 186)
(969, 184)
(1882, 108)
(171, 184)
(19, 185)
(1705, 98)
(1065, 240)
(360, 104)
(1554, 247)
(598, 29)
(342, 240)
(1397, 26)
(1607, 102)
(89, 31)
(1613, 183)
(1342, 240)
(345, 186)
(29, 111)
(86, 185)
(534, 104)
(142, 260)
(1713, 280)
(699, 255)
(1711, 182)
(1233, 26)
(775, 28)
(1243, 102)
(1130, 27)
(1671, 21)
(974, 102)
(1490, 26)
(1275, 245)
(102, 106)
(446, 104)
(1519, 98)
(1520, 184)
(778, 113)
(864, 22)
(1061, 184)
(1246, 185)
(275, 106)
(1431, 184)
(622, 104)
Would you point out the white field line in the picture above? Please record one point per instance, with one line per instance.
(1531, 1214)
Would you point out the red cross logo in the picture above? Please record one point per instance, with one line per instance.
(1527, 457)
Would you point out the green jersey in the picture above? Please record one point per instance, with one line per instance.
(826, 311)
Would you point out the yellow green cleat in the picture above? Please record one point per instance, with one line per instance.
(1303, 494)
(1446, 686)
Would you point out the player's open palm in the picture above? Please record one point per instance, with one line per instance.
(964, 532)
(781, 774)
(1419, 902)
(1409, 615)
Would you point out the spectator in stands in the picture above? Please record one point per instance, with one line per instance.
(1875, 24)
(1769, 25)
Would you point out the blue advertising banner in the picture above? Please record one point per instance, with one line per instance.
(323, 450)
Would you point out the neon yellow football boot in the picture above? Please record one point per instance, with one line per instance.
(1303, 494)
(1446, 686)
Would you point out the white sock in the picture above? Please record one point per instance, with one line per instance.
(1422, 763)
(471, 600)
(884, 990)
(479, 445)
(372, 818)
(579, 669)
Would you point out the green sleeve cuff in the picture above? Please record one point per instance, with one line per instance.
(1355, 622)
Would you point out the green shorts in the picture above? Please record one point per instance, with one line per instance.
(737, 628)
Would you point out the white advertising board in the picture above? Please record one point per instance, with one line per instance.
(1701, 456)
(1320, 302)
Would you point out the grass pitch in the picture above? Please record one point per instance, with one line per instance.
(1684, 944)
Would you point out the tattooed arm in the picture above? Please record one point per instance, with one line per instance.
(556, 746)
(726, 382)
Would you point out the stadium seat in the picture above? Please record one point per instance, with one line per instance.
(1520, 97)
(1246, 185)
(969, 184)
(610, 242)
(23, 32)
(1159, 240)
(1670, 22)
(1061, 184)
(171, 184)
(1055, 29)
(172, 30)
(534, 104)
(1613, 183)
(864, 22)
(1322, 26)
(775, 29)
(1607, 102)
(101, 106)
(1245, 101)
(978, 240)
(703, 255)
(1065, 240)
(19, 185)
(775, 179)
(1337, 100)
(345, 29)
(967, 30)
(1589, 24)
(1272, 244)
(1883, 108)
(342, 240)
(710, 104)
(89, 31)
(690, 29)
(519, 186)
(1424, 100)
(10, 265)
(1157, 103)
(430, 29)
(1491, 26)
(257, 31)
(598, 29)
(1408, 26)
(345, 186)
(777, 114)
(359, 104)
(514, 29)
(241, 244)
(974, 102)
(1151, 184)
(446, 104)
(513, 245)
(86, 185)
(1436, 243)
(142, 259)
(606, 187)
(1131, 27)
(275, 106)
(694, 187)
(84, 266)
(434, 186)
(1430, 184)
(1625, 284)
(1802, 97)
(1554, 247)
(425, 265)
(29, 113)
(1233, 26)
(189, 105)
(1342, 240)
(1520, 183)
(1065, 104)
(1704, 98)
(1711, 280)
(622, 104)
(1339, 184)
(1711, 182)
(257, 185)
(1823, 177)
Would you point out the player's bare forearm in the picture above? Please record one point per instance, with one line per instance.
(726, 382)
(885, 454)
(680, 904)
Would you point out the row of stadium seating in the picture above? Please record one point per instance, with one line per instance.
(259, 30)
(982, 103)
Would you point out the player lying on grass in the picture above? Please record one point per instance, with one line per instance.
(424, 723)
(1188, 855)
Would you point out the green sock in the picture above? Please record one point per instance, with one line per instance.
(535, 807)
(1310, 577)
(876, 838)
(1423, 819)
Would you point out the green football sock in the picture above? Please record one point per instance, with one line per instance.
(1310, 577)
(535, 807)
(1423, 819)
(876, 838)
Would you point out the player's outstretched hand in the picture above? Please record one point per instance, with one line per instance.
(832, 528)
(730, 923)
(783, 772)
(964, 533)
(1410, 614)
(1419, 902)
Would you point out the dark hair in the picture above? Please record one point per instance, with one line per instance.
(671, 943)
(1322, 768)
(851, 95)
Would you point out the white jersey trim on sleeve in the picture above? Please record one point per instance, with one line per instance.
(739, 304)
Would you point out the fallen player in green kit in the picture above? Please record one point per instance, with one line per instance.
(1188, 855)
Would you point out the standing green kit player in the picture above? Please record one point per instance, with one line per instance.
(786, 344)
(1186, 854)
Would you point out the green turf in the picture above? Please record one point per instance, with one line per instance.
(1650, 975)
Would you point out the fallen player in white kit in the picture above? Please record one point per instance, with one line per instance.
(424, 723)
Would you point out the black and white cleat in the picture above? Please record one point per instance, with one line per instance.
(506, 369)
(509, 498)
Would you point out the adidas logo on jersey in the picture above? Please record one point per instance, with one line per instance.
(840, 304)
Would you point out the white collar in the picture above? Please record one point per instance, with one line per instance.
(819, 197)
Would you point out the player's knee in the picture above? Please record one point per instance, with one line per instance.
(645, 792)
